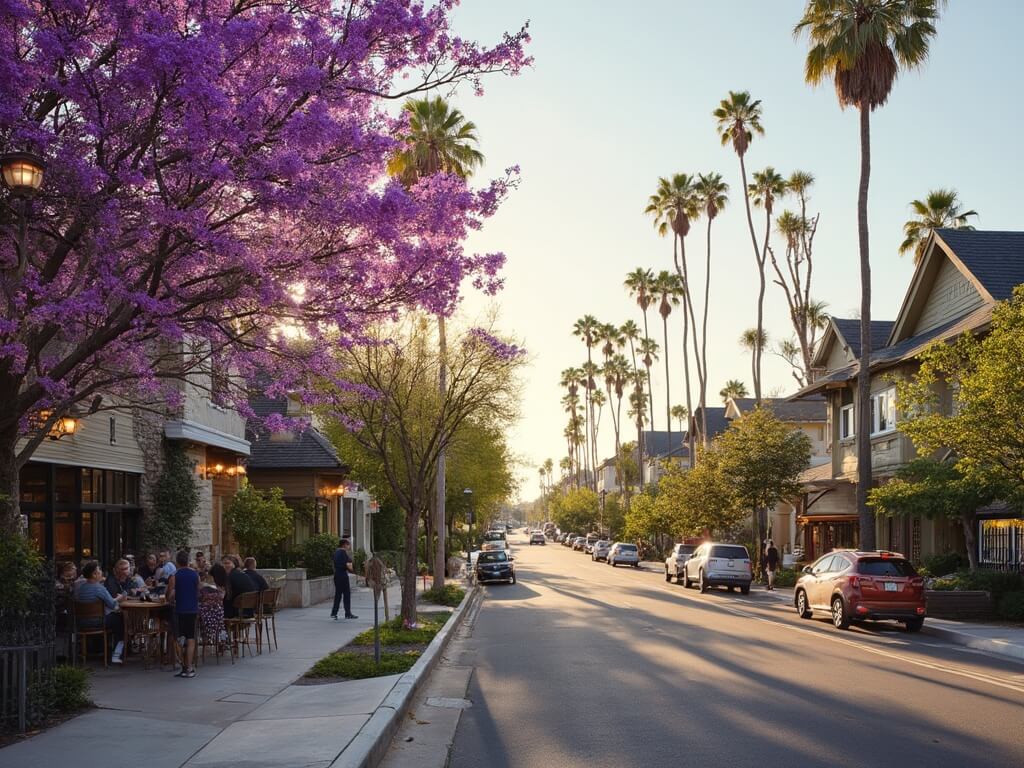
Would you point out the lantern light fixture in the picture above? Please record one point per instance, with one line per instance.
(22, 172)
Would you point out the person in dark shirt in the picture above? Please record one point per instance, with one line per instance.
(148, 568)
(238, 584)
(121, 582)
(256, 576)
(342, 590)
(771, 563)
(183, 593)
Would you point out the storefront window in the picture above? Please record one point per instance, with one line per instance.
(87, 535)
(33, 483)
(37, 530)
(64, 536)
(64, 488)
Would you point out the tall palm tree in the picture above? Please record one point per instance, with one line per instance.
(861, 45)
(638, 413)
(752, 340)
(680, 414)
(940, 209)
(739, 118)
(586, 329)
(669, 290)
(649, 351)
(712, 192)
(439, 139)
(733, 388)
(549, 468)
(767, 187)
(639, 283)
(617, 372)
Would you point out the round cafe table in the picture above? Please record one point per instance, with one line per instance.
(146, 620)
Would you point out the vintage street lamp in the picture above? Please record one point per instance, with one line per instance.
(468, 494)
(22, 173)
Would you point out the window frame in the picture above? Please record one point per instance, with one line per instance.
(886, 398)
(845, 434)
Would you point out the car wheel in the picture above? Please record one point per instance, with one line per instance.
(702, 585)
(679, 578)
(611, 563)
(686, 579)
(731, 588)
(839, 617)
(745, 590)
(668, 576)
(636, 565)
(802, 609)
(513, 578)
(914, 625)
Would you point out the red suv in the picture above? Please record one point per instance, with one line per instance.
(852, 586)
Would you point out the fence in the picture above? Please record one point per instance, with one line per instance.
(27, 657)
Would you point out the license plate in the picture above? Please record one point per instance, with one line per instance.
(892, 586)
(730, 564)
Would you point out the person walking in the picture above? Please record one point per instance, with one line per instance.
(771, 563)
(342, 590)
(183, 593)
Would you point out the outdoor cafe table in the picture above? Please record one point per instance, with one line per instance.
(150, 610)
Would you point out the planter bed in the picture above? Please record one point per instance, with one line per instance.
(972, 605)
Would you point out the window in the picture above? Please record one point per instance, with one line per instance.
(846, 428)
(113, 431)
(728, 552)
(883, 411)
(885, 567)
(823, 565)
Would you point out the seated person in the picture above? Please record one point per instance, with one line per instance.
(121, 582)
(148, 569)
(256, 576)
(238, 583)
(91, 590)
(202, 564)
(166, 567)
(67, 575)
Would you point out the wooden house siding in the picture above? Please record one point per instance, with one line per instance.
(952, 295)
(838, 356)
(90, 446)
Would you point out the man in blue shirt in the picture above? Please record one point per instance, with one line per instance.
(183, 592)
(342, 590)
(91, 590)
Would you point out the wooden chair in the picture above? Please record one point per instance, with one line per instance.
(147, 630)
(202, 644)
(240, 626)
(90, 613)
(266, 618)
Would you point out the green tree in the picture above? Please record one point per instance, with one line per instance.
(640, 285)
(934, 489)
(439, 139)
(701, 500)
(175, 501)
(733, 388)
(259, 519)
(762, 458)
(860, 45)
(940, 209)
(669, 288)
(576, 510)
(640, 517)
(587, 329)
(753, 340)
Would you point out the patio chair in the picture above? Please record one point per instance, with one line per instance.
(240, 626)
(85, 617)
(266, 618)
(146, 631)
(204, 641)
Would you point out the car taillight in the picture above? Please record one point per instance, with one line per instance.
(918, 582)
(855, 581)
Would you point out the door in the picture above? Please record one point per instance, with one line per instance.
(818, 588)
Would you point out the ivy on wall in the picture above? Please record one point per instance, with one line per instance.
(175, 501)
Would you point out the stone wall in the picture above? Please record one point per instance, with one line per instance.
(148, 429)
(202, 521)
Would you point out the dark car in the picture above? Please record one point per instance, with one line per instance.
(537, 538)
(853, 586)
(495, 566)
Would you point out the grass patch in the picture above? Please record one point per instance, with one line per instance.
(451, 595)
(393, 633)
(358, 666)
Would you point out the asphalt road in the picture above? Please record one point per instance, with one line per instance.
(580, 664)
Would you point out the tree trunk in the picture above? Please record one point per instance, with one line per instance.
(757, 259)
(650, 389)
(412, 526)
(864, 513)
(10, 512)
(969, 519)
(668, 398)
(688, 320)
(759, 348)
(439, 503)
(704, 345)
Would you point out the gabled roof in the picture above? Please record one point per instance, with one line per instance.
(308, 450)
(717, 422)
(849, 329)
(809, 409)
(656, 443)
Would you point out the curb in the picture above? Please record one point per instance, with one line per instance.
(998, 647)
(370, 745)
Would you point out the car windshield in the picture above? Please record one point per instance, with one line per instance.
(493, 557)
(885, 567)
(627, 548)
(494, 536)
(729, 553)
(685, 549)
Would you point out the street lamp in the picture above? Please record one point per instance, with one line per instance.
(604, 492)
(22, 173)
(468, 494)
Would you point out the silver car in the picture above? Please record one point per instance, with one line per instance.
(714, 564)
(676, 560)
(600, 550)
(622, 553)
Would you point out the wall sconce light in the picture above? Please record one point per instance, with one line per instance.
(62, 427)
(213, 471)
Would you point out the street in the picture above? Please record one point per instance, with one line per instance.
(582, 664)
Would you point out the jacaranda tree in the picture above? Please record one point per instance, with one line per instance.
(216, 186)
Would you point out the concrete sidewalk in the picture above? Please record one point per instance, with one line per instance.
(242, 714)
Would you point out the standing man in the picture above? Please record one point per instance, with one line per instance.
(183, 593)
(342, 590)
(771, 563)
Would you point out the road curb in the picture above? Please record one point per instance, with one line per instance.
(369, 746)
(998, 647)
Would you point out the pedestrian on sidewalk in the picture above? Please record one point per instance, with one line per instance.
(771, 563)
(342, 590)
(183, 593)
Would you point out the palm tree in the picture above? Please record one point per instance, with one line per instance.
(586, 329)
(439, 140)
(860, 45)
(941, 209)
(733, 388)
(739, 118)
(752, 340)
(649, 351)
(616, 374)
(766, 188)
(631, 334)
(679, 413)
(638, 413)
(638, 284)
(669, 289)
(712, 193)
(674, 205)
(549, 468)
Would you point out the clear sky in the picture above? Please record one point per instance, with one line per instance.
(621, 94)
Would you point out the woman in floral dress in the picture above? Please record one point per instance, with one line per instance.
(211, 607)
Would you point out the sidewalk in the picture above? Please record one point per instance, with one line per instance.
(1000, 639)
(246, 714)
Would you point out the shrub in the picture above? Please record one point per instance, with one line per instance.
(996, 583)
(70, 687)
(175, 501)
(394, 633)
(786, 577)
(942, 565)
(21, 567)
(259, 519)
(1011, 606)
(357, 666)
(359, 561)
(451, 595)
(318, 555)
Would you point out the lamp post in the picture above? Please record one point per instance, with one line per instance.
(468, 494)
(604, 492)
(22, 175)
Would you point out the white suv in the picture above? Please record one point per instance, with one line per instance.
(676, 560)
(714, 564)
(623, 553)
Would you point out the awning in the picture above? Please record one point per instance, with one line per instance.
(806, 519)
(199, 433)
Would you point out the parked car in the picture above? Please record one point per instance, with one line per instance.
(537, 538)
(568, 539)
(676, 560)
(590, 541)
(495, 566)
(853, 586)
(622, 553)
(600, 550)
(579, 543)
(713, 564)
(496, 538)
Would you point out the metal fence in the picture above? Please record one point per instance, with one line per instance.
(27, 658)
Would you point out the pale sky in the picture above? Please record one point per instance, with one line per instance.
(621, 94)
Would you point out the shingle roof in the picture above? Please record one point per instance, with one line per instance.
(850, 330)
(717, 423)
(996, 259)
(656, 443)
(809, 409)
(309, 449)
